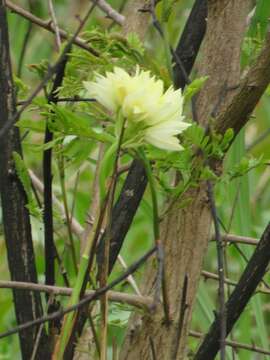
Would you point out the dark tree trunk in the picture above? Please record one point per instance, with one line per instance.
(17, 228)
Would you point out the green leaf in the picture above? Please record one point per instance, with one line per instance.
(77, 150)
(34, 125)
(24, 177)
(21, 87)
(70, 123)
(135, 42)
(194, 88)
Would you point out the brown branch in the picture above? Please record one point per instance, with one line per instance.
(86, 300)
(55, 24)
(236, 239)
(51, 71)
(143, 302)
(234, 344)
(213, 276)
(111, 12)
(48, 25)
(251, 89)
(241, 295)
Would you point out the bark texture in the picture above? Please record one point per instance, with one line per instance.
(185, 232)
(137, 17)
(226, 25)
(17, 228)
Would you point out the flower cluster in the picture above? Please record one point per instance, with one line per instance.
(141, 99)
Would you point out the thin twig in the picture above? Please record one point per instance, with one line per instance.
(130, 279)
(38, 337)
(152, 347)
(111, 12)
(84, 301)
(51, 71)
(139, 301)
(213, 276)
(23, 50)
(231, 238)
(180, 322)
(259, 139)
(94, 332)
(68, 218)
(76, 227)
(47, 25)
(55, 24)
(91, 213)
(220, 259)
(66, 99)
(234, 344)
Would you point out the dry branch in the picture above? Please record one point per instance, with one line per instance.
(48, 25)
(111, 12)
(236, 239)
(209, 275)
(134, 300)
(234, 344)
(86, 300)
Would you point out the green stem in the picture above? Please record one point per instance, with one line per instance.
(167, 47)
(73, 300)
(68, 322)
(107, 164)
(68, 220)
(161, 276)
(105, 167)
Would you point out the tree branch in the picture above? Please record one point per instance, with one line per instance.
(234, 344)
(59, 314)
(231, 238)
(47, 175)
(250, 91)
(111, 12)
(239, 298)
(190, 42)
(48, 25)
(143, 302)
(16, 220)
(51, 71)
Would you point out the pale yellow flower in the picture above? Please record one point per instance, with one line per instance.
(141, 98)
